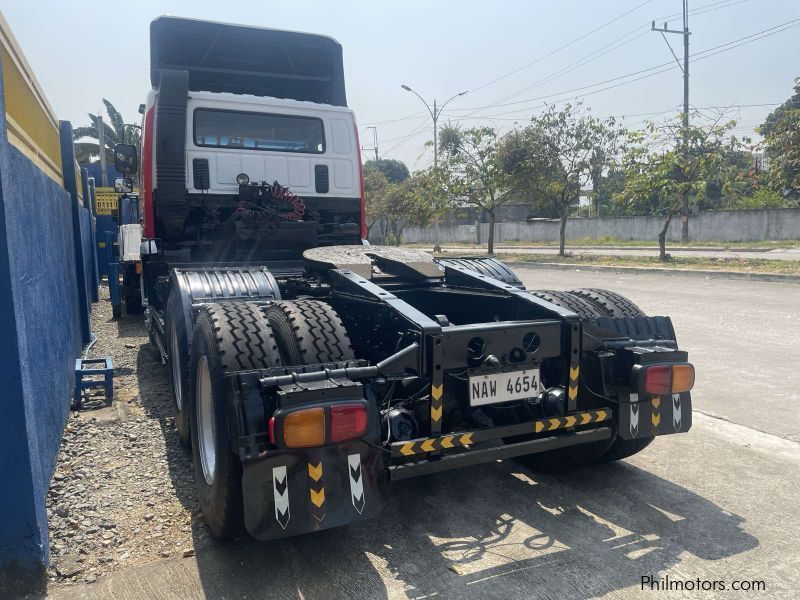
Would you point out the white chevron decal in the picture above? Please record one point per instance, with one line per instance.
(280, 490)
(634, 420)
(356, 481)
(676, 411)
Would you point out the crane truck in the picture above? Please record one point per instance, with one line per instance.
(309, 369)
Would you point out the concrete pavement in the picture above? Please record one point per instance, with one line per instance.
(717, 503)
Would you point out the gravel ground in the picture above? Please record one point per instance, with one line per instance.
(123, 491)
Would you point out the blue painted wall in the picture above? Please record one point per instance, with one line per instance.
(44, 302)
(104, 223)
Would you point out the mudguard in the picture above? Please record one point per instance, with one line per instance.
(644, 417)
(300, 491)
(198, 285)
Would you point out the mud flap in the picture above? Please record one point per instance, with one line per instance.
(295, 492)
(645, 417)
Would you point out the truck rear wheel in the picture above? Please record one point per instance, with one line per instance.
(613, 304)
(589, 303)
(178, 352)
(616, 305)
(227, 337)
(308, 332)
(582, 307)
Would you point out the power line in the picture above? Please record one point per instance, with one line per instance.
(560, 48)
(712, 6)
(660, 68)
(709, 7)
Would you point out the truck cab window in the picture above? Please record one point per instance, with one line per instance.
(258, 131)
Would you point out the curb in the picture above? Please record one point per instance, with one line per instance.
(501, 247)
(775, 277)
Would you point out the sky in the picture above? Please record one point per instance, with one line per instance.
(510, 56)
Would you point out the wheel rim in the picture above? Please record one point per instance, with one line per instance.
(206, 432)
(175, 360)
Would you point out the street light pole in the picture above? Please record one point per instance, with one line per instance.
(435, 114)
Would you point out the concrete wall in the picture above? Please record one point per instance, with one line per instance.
(723, 226)
(45, 261)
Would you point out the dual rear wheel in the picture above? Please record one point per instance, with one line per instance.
(235, 337)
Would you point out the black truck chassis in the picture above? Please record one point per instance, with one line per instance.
(419, 337)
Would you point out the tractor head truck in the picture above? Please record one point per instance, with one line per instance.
(310, 369)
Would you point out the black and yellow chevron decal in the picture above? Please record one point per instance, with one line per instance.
(436, 402)
(455, 440)
(574, 373)
(316, 490)
(655, 415)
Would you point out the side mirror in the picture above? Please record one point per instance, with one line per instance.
(123, 185)
(125, 159)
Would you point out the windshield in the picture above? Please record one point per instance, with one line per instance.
(258, 131)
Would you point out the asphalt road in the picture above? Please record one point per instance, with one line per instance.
(718, 503)
(776, 254)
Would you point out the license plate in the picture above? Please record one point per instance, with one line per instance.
(503, 387)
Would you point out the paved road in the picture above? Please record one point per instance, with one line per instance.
(777, 254)
(717, 503)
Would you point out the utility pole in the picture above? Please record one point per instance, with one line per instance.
(685, 115)
(435, 114)
(101, 140)
(374, 142)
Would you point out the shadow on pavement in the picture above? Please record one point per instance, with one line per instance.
(495, 531)
(492, 531)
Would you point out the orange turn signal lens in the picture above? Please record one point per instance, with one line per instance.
(682, 378)
(304, 428)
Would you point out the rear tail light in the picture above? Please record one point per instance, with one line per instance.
(657, 380)
(304, 428)
(660, 380)
(348, 421)
(320, 425)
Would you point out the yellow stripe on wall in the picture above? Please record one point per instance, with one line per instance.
(31, 123)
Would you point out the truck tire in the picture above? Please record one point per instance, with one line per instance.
(589, 303)
(485, 265)
(177, 347)
(227, 337)
(613, 304)
(620, 448)
(570, 301)
(308, 332)
(616, 305)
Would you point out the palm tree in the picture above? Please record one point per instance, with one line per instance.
(116, 131)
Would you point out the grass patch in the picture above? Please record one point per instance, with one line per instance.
(742, 265)
(610, 241)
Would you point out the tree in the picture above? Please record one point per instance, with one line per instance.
(408, 203)
(781, 132)
(659, 171)
(115, 130)
(471, 171)
(558, 154)
(375, 184)
(394, 170)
